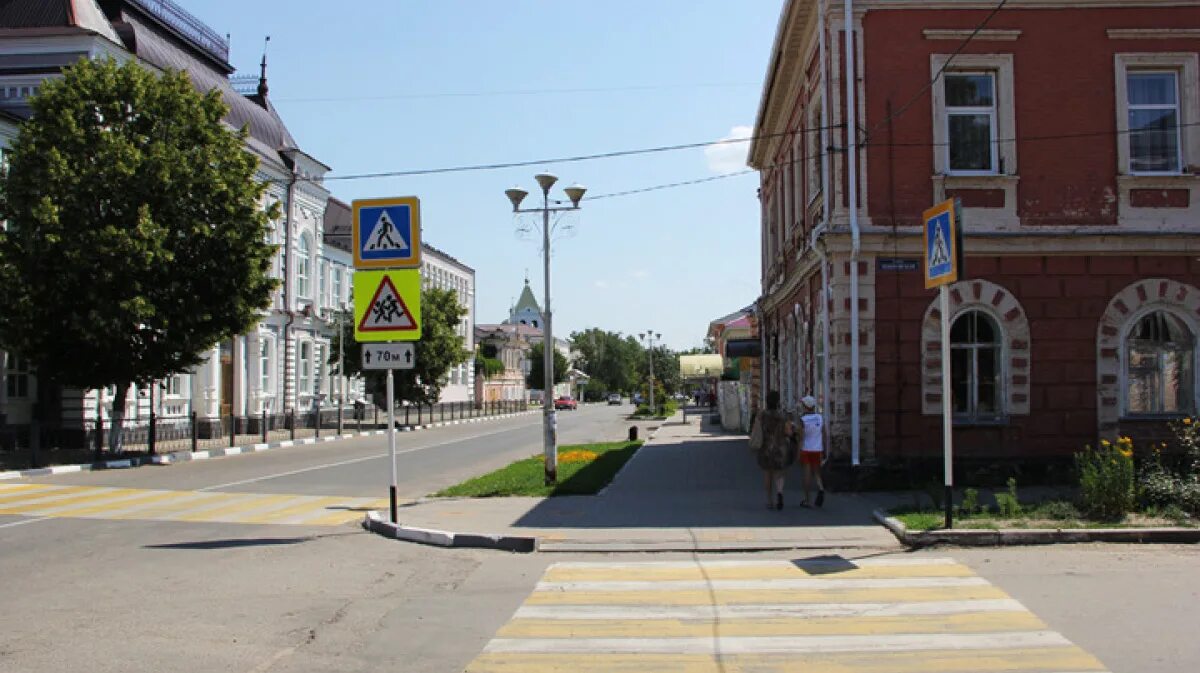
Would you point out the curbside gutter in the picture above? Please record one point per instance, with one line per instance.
(376, 523)
(1032, 536)
(188, 456)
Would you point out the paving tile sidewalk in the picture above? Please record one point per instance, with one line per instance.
(693, 486)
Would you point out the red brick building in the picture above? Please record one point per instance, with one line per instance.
(1071, 133)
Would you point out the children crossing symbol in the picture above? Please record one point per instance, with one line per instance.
(387, 311)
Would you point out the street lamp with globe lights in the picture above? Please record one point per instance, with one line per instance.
(649, 338)
(516, 195)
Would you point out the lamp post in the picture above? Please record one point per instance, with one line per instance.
(649, 337)
(516, 195)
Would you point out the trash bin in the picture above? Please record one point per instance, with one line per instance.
(633, 432)
(360, 410)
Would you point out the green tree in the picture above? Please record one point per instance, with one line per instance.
(135, 238)
(537, 377)
(439, 349)
(610, 360)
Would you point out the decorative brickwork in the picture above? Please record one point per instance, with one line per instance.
(1128, 305)
(1006, 311)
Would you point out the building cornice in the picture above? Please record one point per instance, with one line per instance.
(1153, 33)
(993, 34)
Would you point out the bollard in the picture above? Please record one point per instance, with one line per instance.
(265, 427)
(317, 420)
(152, 434)
(340, 406)
(195, 433)
(35, 442)
(99, 437)
(292, 421)
(633, 433)
(232, 430)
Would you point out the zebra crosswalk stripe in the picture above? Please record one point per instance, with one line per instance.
(99, 502)
(827, 615)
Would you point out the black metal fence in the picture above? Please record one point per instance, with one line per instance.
(83, 441)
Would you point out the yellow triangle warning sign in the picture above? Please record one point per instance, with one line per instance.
(387, 311)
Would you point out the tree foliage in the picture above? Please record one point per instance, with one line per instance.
(537, 377)
(439, 349)
(608, 358)
(136, 235)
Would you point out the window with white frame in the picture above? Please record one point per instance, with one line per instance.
(305, 377)
(1154, 132)
(338, 297)
(174, 385)
(304, 268)
(266, 347)
(1158, 101)
(971, 122)
(322, 283)
(18, 377)
(1160, 353)
(974, 116)
(975, 362)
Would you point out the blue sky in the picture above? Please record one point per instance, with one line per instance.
(379, 85)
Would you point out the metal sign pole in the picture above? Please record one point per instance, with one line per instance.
(947, 410)
(391, 435)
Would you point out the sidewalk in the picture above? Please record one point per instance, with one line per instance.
(692, 487)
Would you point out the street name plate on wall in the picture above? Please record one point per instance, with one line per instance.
(388, 356)
(897, 264)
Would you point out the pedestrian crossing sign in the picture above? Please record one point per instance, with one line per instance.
(943, 243)
(387, 305)
(387, 233)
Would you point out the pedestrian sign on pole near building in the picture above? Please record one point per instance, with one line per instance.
(387, 305)
(387, 233)
(943, 244)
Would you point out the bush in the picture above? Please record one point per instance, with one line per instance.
(1008, 503)
(1189, 497)
(1106, 479)
(1058, 510)
(1159, 488)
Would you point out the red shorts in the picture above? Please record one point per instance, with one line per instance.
(812, 458)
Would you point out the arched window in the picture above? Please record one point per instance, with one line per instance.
(975, 366)
(1159, 354)
(304, 268)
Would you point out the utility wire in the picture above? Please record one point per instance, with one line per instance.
(938, 75)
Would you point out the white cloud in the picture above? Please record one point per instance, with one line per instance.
(729, 157)
(640, 273)
(602, 284)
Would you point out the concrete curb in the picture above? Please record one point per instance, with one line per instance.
(376, 523)
(1032, 536)
(188, 456)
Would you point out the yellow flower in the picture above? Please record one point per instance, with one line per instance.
(577, 456)
(1187, 421)
(1128, 453)
(1105, 442)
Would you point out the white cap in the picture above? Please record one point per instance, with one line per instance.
(809, 401)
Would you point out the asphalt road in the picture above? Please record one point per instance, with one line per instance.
(427, 461)
(141, 596)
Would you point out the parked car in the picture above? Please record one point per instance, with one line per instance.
(566, 402)
(614, 398)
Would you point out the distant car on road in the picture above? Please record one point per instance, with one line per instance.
(566, 402)
(614, 398)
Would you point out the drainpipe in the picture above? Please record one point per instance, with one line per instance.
(851, 85)
(289, 261)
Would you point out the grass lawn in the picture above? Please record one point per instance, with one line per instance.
(583, 469)
(1051, 514)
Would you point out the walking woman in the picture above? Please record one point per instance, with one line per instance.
(770, 440)
(813, 449)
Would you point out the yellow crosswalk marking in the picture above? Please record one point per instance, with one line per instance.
(308, 505)
(76, 497)
(241, 504)
(124, 504)
(888, 615)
